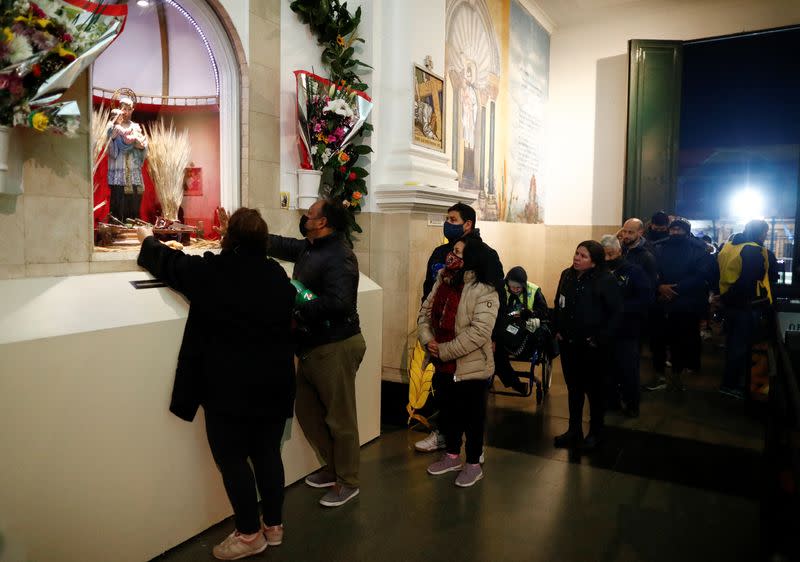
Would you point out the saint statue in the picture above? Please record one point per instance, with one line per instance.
(127, 150)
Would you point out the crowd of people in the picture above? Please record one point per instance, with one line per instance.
(655, 279)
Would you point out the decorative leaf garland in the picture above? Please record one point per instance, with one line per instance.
(336, 30)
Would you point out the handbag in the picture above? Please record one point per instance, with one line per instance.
(513, 335)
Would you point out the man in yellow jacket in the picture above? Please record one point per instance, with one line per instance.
(747, 272)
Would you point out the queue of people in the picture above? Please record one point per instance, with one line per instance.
(652, 279)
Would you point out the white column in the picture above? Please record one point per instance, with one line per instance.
(405, 176)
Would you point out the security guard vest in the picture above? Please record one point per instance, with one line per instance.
(526, 298)
(730, 268)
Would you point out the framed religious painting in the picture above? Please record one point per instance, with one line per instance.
(193, 181)
(428, 109)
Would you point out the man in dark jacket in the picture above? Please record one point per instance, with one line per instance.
(747, 273)
(459, 224)
(686, 274)
(658, 229)
(636, 248)
(331, 346)
(637, 296)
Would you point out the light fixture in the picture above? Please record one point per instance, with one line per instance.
(747, 203)
(143, 3)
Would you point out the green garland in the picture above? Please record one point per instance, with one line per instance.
(336, 30)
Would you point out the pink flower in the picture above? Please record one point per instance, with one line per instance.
(331, 139)
(317, 127)
(339, 132)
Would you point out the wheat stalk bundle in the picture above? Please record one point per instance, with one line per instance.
(101, 120)
(168, 154)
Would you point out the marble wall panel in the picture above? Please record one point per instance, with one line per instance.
(267, 9)
(265, 40)
(12, 230)
(57, 230)
(59, 269)
(15, 271)
(55, 165)
(264, 139)
(264, 187)
(265, 88)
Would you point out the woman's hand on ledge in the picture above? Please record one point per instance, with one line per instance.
(143, 232)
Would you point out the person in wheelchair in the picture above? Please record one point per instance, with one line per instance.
(524, 310)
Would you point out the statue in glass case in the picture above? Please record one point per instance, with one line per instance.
(127, 150)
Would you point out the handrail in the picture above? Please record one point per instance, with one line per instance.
(157, 99)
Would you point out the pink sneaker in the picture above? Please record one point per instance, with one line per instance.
(235, 546)
(470, 474)
(445, 464)
(274, 534)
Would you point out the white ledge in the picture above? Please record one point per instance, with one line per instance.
(419, 198)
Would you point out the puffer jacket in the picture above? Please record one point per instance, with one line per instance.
(472, 347)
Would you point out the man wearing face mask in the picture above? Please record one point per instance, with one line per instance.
(459, 224)
(686, 273)
(331, 347)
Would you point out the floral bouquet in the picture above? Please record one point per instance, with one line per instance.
(44, 46)
(328, 116)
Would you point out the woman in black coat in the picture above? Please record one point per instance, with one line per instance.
(588, 310)
(236, 360)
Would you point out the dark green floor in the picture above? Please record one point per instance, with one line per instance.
(679, 483)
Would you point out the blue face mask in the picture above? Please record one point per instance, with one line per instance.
(453, 231)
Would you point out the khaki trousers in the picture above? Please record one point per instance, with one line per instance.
(326, 404)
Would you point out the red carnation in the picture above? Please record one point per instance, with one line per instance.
(342, 169)
(37, 11)
(37, 70)
(352, 176)
(66, 38)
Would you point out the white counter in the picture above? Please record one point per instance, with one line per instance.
(88, 449)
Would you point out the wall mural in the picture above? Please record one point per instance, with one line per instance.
(497, 61)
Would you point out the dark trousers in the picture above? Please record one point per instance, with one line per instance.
(739, 334)
(234, 440)
(683, 338)
(657, 328)
(125, 205)
(586, 374)
(625, 373)
(462, 413)
(326, 405)
(503, 369)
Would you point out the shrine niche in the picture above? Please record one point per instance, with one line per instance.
(165, 100)
(429, 103)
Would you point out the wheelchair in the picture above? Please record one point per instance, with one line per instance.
(538, 350)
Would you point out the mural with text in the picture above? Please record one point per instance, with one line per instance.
(497, 67)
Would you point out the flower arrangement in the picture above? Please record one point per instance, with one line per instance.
(336, 118)
(44, 45)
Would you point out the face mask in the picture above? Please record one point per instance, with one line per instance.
(453, 262)
(303, 227)
(453, 231)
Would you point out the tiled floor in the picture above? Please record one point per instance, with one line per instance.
(679, 483)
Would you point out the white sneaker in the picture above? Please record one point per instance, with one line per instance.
(432, 442)
(482, 459)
